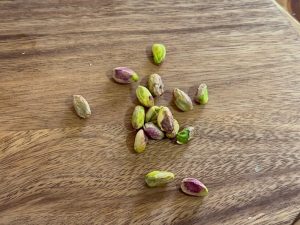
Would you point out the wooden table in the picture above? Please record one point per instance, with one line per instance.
(58, 169)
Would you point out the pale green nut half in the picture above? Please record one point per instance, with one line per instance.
(182, 100)
(81, 106)
(151, 115)
(159, 53)
(202, 94)
(159, 178)
(144, 96)
(185, 135)
(138, 117)
(140, 141)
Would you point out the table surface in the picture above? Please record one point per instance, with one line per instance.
(58, 169)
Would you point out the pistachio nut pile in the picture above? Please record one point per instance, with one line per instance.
(155, 122)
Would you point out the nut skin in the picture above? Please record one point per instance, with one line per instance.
(192, 186)
(140, 141)
(159, 178)
(153, 131)
(175, 130)
(165, 119)
(155, 85)
(151, 115)
(124, 75)
(202, 94)
(185, 135)
(81, 106)
(159, 53)
(138, 117)
(144, 96)
(182, 100)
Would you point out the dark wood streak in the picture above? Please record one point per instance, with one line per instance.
(79, 47)
(237, 26)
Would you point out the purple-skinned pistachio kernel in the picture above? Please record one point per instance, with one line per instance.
(153, 131)
(124, 75)
(165, 119)
(192, 186)
(175, 130)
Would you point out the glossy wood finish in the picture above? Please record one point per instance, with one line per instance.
(58, 169)
(292, 6)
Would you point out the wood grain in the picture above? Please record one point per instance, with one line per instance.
(58, 169)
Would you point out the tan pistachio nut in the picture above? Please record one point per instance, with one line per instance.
(159, 53)
(81, 106)
(144, 96)
(124, 75)
(155, 85)
(140, 141)
(185, 135)
(202, 94)
(159, 178)
(151, 115)
(175, 130)
(192, 186)
(138, 117)
(165, 119)
(153, 131)
(182, 100)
